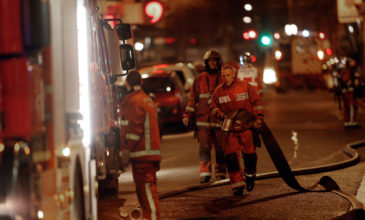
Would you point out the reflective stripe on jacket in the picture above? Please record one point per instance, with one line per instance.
(200, 99)
(140, 132)
(239, 95)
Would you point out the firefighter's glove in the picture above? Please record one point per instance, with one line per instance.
(221, 116)
(258, 123)
(185, 121)
(124, 159)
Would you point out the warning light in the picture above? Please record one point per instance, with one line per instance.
(154, 9)
(192, 40)
(253, 58)
(170, 40)
(246, 36)
(328, 51)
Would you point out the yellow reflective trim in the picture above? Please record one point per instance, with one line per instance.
(204, 95)
(259, 107)
(133, 137)
(188, 108)
(145, 153)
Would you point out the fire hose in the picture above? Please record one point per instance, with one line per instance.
(284, 171)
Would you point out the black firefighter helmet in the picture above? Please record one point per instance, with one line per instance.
(246, 58)
(212, 54)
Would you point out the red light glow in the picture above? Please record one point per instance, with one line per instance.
(170, 40)
(328, 51)
(160, 66)
(192, 41)
(253, 58)
(246, 36)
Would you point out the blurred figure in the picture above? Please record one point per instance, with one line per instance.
(228, 100)
(141, 144)
(208, 133)
(347, 85)
(248, 72)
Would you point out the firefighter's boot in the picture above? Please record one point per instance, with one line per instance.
(250, 181)
(238, 191)
(250, 161)
(204, 179)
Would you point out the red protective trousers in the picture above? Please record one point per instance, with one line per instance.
(144, 175)
(209, 138)
(349, 109)
(234, 144)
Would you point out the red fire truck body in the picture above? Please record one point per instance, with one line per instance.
(59, 138)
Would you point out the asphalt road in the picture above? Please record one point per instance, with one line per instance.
(309, 128)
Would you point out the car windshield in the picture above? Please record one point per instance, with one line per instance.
(158, 84)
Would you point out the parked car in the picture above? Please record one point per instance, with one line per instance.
(168, 91)
(186, 72)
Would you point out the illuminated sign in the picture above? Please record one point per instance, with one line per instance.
(154, 10)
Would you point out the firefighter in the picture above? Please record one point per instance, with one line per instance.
(349, 84)
(141, 144)
(231, 96)
(247, 71)
(208, 133)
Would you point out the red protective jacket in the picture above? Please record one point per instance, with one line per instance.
(140, 132)
(239, 95)
(200, 99)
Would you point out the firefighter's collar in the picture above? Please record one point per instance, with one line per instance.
(136, 88)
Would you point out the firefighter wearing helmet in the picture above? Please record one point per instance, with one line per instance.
(208, 127)
(249, 73)
(349, 88)
(246, 58)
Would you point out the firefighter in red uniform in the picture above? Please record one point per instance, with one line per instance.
(209, 132)
(249, 72)
(230, 97)
(349, 84)
(141, 144)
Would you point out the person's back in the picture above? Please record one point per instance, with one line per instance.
(140, 144)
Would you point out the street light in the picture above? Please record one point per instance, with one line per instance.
(248, 7)
(247, 19)
(291, 29)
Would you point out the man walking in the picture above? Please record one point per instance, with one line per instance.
(141, 144)
(229, 98)
(208, 126)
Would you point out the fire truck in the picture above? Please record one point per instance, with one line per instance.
(299, 59)
(59, 134)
